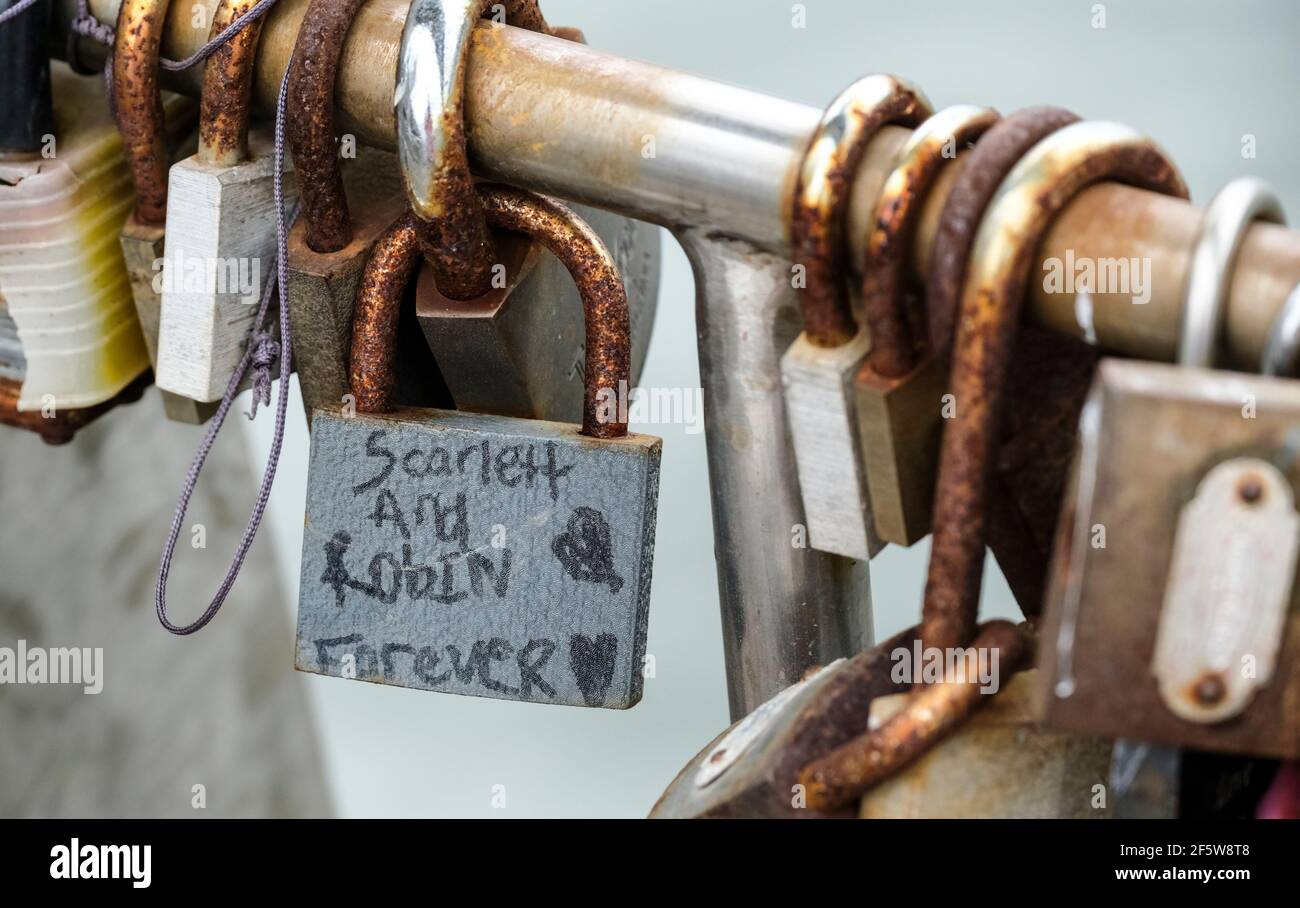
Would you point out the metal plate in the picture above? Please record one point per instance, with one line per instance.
(1151, 433)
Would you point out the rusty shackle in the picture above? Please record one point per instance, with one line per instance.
(452, 225)
(223, 106)
(607, 376)
(311, 126)
(937, 141)
(992, 288)
(227, 88)
(137, 101)
(1047, 178)
(822, 193)
(837, 778)
(996, 153)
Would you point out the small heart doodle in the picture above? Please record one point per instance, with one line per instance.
(585, 549)
(592, 662)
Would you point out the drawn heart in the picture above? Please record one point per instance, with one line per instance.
(592, 662)
(585, 549)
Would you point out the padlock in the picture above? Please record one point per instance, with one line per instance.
(70, 348)
(1038, 187)
(516, 349)
(1172, 613)
(819, 368)
(475, 554)
(899, 390)
(751, 770)
(221, 226)
(329, 244)
(150, 126)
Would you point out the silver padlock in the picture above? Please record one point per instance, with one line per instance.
(220, 227)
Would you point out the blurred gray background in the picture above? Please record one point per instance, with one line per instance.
(1196, 75)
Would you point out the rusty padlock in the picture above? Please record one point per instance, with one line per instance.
(1040, 185)
(458, 552)
(1172, 612)
(818, 369)
(900, 388)
(220, 226)
(505, 327)
(329, 244)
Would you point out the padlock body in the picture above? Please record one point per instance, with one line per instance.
(519, 351)
(220, 251)
(143, 248)
(1150, 437)
(901, 425)
(322, 286)
(827, 446)
(478, 555)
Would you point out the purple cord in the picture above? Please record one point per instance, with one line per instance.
(259, 355)
(17, 10)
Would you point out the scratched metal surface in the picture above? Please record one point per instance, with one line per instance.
(478, 555)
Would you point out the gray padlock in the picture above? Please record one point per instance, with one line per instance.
(518, 351)
(482, 555)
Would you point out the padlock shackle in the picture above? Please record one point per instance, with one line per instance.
(1231, 213)
(607, 375)
(311, 122)
(987, 165)
(227, 88)
(894, 350)
(430, 100)
(137, 103)
(823, 191)
(1044, 181)
(843, 775)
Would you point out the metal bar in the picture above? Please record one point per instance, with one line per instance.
(685, 151)
(717, 163)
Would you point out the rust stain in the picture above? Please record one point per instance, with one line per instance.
(311, 122)
(378, 305)
(986, 166)
(60, 428)
(138, 104)
(227, 88)
(931, 713)
(608, 326)
(821, 200)
(894, 350)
